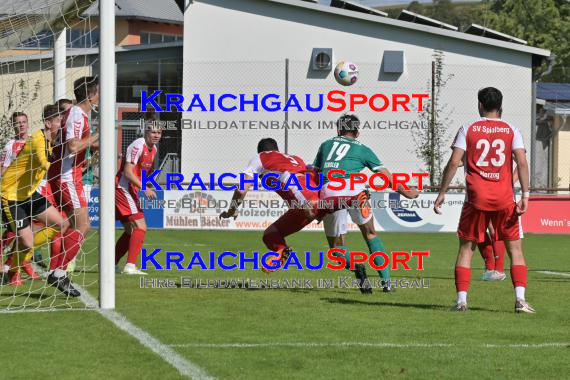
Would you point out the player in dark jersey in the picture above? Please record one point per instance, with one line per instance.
(346, 152)
(487, 148)
(270, 160)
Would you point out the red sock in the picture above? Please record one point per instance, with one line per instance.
(55, 252)
(135, 245)
(500, 250)
(9, 260)
(121, 247)
(486, 249)
(71, 243)
(518, 275)
(462, 278)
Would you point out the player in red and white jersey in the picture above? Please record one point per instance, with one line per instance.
(270, 160)
(10, 151)
(140, 156)
(13, 147)
(65, 172)
(487, 148)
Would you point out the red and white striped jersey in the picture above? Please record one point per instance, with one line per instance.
(275, 162)
(66, 165)
(10, 151)
(284, 165)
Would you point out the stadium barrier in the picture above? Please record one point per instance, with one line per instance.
(196, 210)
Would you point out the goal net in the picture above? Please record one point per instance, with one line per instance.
(45, 47)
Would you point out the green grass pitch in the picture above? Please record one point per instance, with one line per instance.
(301, 333)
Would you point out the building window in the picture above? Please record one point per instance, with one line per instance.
(76, 38)
(157, 38)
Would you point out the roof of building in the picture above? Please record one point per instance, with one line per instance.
(541, 53)
(406, 15)
(553, 91)
(491, 33)
(150, 10)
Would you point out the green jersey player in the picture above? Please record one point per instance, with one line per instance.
(345, 152)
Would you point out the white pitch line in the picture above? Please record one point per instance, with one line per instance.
(563, 274)
(184, 366)
(359, 344)
(529, 345)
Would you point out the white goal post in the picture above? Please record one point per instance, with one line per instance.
(107, 153)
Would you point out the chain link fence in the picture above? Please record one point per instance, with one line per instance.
(214, 141)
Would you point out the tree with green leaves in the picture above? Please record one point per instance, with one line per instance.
(431, 144)
(18, 96)
(543, 23)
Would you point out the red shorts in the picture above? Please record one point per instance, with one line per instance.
(127, 207)
(473, 223)
(68, 195)
(292, 221)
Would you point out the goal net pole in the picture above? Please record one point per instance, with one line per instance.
(59, 65)
(107, 88)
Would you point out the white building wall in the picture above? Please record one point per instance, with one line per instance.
(243, 50)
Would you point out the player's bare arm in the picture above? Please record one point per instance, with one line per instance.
(515, 175)
(237, 200)
(523, 176)
(410, 194)
(130, 175)
(76, 145)
(455, 161)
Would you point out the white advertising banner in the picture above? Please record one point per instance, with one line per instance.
(201, 209)
(395, 213)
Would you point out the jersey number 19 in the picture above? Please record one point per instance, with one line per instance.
(339, 149)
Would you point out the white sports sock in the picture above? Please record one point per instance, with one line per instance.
(59, 273)
(519, 292)
(461, 297)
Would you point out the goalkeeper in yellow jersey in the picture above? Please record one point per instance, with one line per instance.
(21, 202)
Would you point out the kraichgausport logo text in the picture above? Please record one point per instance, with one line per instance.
(338, 101)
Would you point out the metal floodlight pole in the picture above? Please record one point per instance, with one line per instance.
(107, 148)
(59, 62)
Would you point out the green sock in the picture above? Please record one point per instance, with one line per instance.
(376, 245)
(345, 255)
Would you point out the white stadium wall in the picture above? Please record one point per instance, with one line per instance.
(244, 51)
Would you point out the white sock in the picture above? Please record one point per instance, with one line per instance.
(519, 292)
(59, 273)
(461, 297)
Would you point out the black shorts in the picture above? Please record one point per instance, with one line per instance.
(17, 215)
